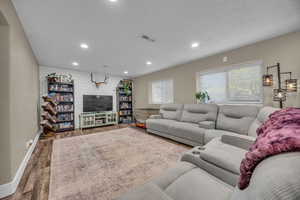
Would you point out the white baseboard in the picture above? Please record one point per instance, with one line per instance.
(11, 187)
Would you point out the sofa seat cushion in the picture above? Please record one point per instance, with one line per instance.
(172, 174)
(148, 191)
(223, 155)
(244, 142)
(198, 184)
(161, 125)
(213, 133)
(188, 131)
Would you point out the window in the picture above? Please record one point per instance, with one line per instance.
(161, 92)
(238, 84)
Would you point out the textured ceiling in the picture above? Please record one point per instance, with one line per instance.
(55, 29)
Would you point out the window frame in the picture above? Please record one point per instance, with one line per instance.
(150, 94)
(228, 68)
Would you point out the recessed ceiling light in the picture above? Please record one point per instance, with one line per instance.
(75, 64)
(84, 46)
(195, 45)
(113, 0)
(149, 63)
(125, 72)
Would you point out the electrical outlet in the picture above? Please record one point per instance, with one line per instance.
(29, 143)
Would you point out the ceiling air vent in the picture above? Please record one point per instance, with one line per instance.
(148, 38)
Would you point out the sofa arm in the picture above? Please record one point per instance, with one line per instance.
(241, 141)
(207, 124)
(155, 117)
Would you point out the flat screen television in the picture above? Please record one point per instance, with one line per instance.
(97, 103)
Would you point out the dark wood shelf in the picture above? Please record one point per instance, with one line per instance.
(123, 93)
(63, 102)
(60, 83)
(57, 91)
(64, 129)
(60, 112)
(57, 122)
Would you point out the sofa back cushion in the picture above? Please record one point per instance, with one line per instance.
(236, 118)
(262, 116)
(171, 111)
(275, 178)
(195, 113)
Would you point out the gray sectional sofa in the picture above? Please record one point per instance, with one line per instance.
(211, 171)
(197, 124)
(276, 178)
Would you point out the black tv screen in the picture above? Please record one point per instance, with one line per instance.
(97, 103)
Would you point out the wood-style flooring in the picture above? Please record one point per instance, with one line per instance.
(34, 184)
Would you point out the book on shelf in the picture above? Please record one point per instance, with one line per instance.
(125, 105)
(64, 125)
(55, 78)
(125, 112)
(65, 108)
(61, 97)
(60, 88)
(125, 98)
(65, 117)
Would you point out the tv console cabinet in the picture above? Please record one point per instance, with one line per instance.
(97, 119)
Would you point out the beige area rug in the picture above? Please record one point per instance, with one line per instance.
(105, 165)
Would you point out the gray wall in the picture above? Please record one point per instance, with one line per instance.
(20, 80)
(4, 108)
(284, 49)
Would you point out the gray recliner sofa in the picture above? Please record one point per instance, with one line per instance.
(197, 124)
(276, 178)
(212, 171)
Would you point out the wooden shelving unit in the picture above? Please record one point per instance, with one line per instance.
(62, 92)
(124, 101)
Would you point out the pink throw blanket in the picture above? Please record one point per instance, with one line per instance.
(281, 133)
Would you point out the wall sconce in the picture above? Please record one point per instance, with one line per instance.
(279, 95)
(268, 80)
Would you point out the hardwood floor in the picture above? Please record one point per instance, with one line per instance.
(34, 184)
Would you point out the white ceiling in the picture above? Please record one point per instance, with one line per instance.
(56, 28)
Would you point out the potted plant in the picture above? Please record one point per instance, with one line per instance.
(202, 97)
(127, 88)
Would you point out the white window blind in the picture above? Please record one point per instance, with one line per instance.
(161, 92)
(238, 84)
